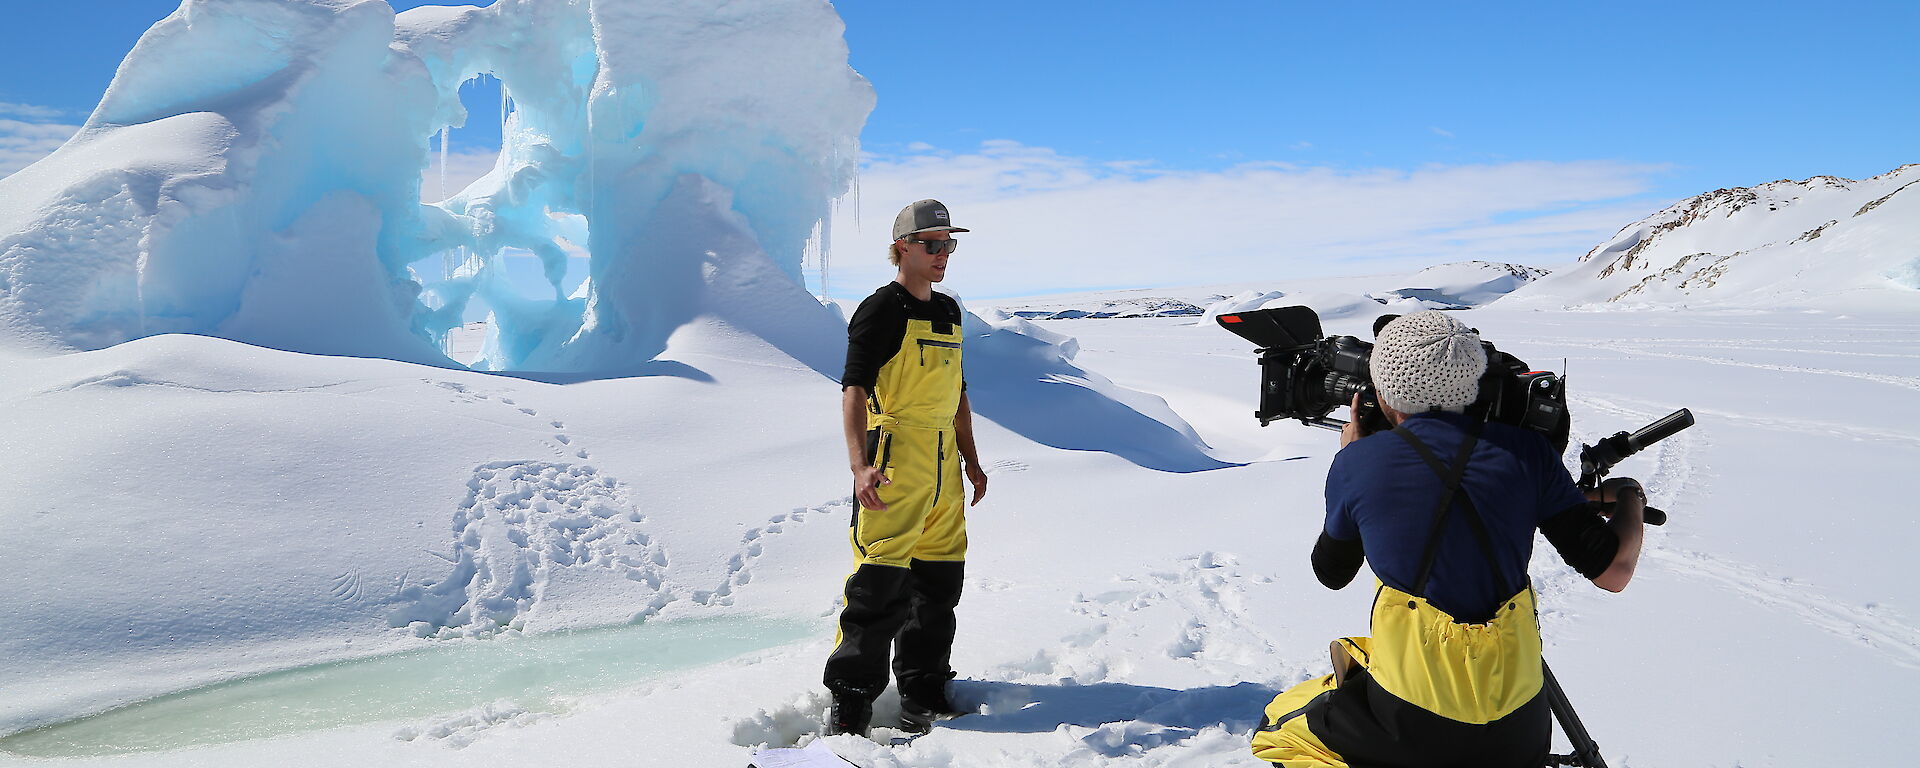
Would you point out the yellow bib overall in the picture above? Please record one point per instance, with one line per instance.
(909, 557)
(910, 438)
(1426, 689)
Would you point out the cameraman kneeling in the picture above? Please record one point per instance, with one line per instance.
(1444, 508)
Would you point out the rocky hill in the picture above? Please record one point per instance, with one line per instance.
(1816, 242)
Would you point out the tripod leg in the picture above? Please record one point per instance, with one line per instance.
(1585, 753)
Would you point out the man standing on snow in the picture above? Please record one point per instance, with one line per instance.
(1452, 675)
(909, 435)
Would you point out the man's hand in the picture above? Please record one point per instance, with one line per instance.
(1611, 490)
(866, 487)
(1352, 431)
(1616, 489)
(978, 477)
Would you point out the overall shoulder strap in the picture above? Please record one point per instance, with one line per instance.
(1450, 477)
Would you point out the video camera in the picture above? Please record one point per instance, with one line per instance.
(1304, 376)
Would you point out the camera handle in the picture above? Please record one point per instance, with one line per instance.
(1598, 459)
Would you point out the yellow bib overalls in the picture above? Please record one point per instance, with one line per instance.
(910, 438)
(1425, 689)
(909, 557)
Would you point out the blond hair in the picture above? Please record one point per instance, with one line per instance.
(893, 253)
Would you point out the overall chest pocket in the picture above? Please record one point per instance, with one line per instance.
(938, 352)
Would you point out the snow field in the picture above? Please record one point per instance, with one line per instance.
(197, 527)
(1114, 616)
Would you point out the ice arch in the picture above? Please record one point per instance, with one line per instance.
(253, 172)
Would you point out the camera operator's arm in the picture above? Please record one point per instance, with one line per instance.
(1628, 525)
(1602, 550)
(1336, 562)
(1338, 553)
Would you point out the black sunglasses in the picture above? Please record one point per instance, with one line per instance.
(937, 247)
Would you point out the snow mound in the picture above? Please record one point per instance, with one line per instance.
(1466, 284)
(1242, 302)
(253, 173)
(1811, 243)
(1033, 387)
(1329, 305)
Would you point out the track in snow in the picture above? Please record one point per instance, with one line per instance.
(520, 521)
(1863, 624)
(1907, 382)
(740, 568)
(1194, 612)
(1674, 477)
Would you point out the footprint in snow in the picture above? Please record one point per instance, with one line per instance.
(1006, 465)
(740, 568)
(521, 524)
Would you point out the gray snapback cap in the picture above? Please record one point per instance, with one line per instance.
(923, 216)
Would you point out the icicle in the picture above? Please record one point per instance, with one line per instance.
(855, 192)
(444, 131)
(826, 246)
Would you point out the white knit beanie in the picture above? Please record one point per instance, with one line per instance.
(1427, 361)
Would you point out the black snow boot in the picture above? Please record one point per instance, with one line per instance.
(920, 709)
(851, 713)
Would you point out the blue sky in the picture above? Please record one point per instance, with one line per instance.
(1641, 103)
(1725, 93)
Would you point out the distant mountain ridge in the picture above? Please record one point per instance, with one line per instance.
(1807, 242)
(1458, 285)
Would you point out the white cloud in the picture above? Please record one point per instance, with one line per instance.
(23, 143)
(1439, 131)
(30, 111)
(1045, 221)
(463, 168)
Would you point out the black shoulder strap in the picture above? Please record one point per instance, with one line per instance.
(1450, 476)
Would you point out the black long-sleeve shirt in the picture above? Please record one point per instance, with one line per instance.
(874, 333)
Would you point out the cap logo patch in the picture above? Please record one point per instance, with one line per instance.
(940, 214)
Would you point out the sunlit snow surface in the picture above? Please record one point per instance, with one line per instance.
(190, 516)
(191, 511)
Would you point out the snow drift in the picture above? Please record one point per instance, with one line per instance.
(1038, 391)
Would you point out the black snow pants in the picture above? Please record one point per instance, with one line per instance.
(908, 610)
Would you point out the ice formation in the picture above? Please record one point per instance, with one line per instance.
(254, 173)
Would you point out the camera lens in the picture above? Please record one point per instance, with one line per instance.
(1340, 389)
